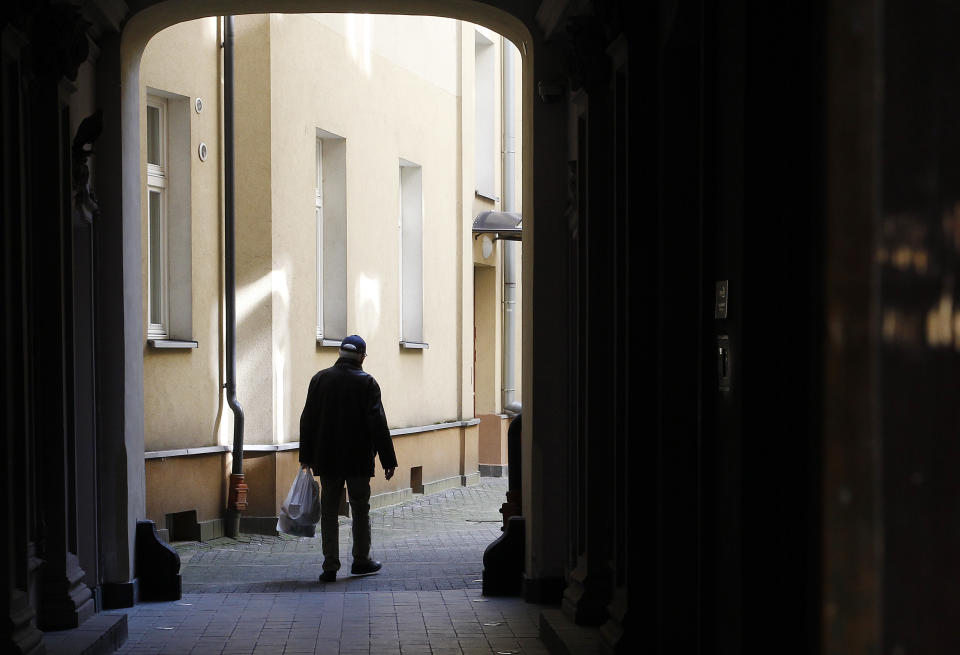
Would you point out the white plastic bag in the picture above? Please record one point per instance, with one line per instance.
(300, 512)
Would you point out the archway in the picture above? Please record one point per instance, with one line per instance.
(119, 377)
(376, 90)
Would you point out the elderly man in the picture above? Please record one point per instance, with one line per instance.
(342, 428)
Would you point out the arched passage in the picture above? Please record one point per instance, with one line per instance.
(119, 190)
(784, 472)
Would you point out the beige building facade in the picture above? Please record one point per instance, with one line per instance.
(365, 147)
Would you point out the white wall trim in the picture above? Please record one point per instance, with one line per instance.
(399, 432)
(181, 452)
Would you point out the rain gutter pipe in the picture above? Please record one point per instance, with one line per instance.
(510, 402)
(237, 495)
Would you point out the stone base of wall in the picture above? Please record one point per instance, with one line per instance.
(186, 488)
(492, 440)
(212, 529)
(265, 525)
(493, 470)
(442, 485)
(561, 635)
(391, 498)
(184, 526)
(100, 634)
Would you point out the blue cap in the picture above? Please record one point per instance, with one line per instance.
(354, 344)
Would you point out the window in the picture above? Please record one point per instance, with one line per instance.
(331, 221)
(483, 134)
(411, 255)
(158, 284)
(168, 219)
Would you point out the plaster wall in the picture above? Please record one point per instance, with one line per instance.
(260, 475)
(371, 39)
(184, 483)
(385, 113)
(257, 285)
(181, 390)
(296, 74)
(487, 321)
(470, 450)
(438, 452)
(493, 439)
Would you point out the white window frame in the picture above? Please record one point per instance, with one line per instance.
(330, 210)
(410, 274)
(157, 176)
(484, 116)
(319, 222)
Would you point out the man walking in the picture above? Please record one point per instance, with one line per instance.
(342, 428)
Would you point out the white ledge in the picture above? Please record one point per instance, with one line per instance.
(173, 344)
(181, 452)
(294, 445)
(207, 450)
(329, 342)
(414, 345)
(269, 447)
(397, 432)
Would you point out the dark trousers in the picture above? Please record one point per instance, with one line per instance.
(359, 492)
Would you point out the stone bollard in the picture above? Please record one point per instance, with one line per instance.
(503, 559)
(157, 565)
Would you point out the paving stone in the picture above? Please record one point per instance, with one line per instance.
(260, 595)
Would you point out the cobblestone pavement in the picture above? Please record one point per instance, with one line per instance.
(432, 543)
(259, 595)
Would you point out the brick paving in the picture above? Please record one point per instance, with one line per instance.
(432, 543)
(259, 594)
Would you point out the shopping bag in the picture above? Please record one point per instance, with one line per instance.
(300, 512)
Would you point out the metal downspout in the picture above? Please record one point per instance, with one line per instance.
(510, 402)
(237, 496)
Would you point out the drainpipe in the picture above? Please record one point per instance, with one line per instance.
(510, 401)
(237, 495)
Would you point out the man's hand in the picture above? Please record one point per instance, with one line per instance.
(388, 473)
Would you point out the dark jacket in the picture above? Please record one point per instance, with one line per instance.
(343, 425)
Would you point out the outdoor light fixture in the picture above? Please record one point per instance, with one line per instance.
(507, 226)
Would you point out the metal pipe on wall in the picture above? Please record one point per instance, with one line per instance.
(237, 496)
(510, 401)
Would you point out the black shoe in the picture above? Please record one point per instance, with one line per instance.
(328, 576)
(365, 568)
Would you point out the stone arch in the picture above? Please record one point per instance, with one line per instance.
(122, 377)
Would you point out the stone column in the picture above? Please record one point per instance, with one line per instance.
(590, 583)
(544, 315)
(22, 635)
(65, 600)
(626, 345)
(119, 321)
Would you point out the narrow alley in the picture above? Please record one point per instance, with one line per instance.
(434, 542)
(260, 594)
